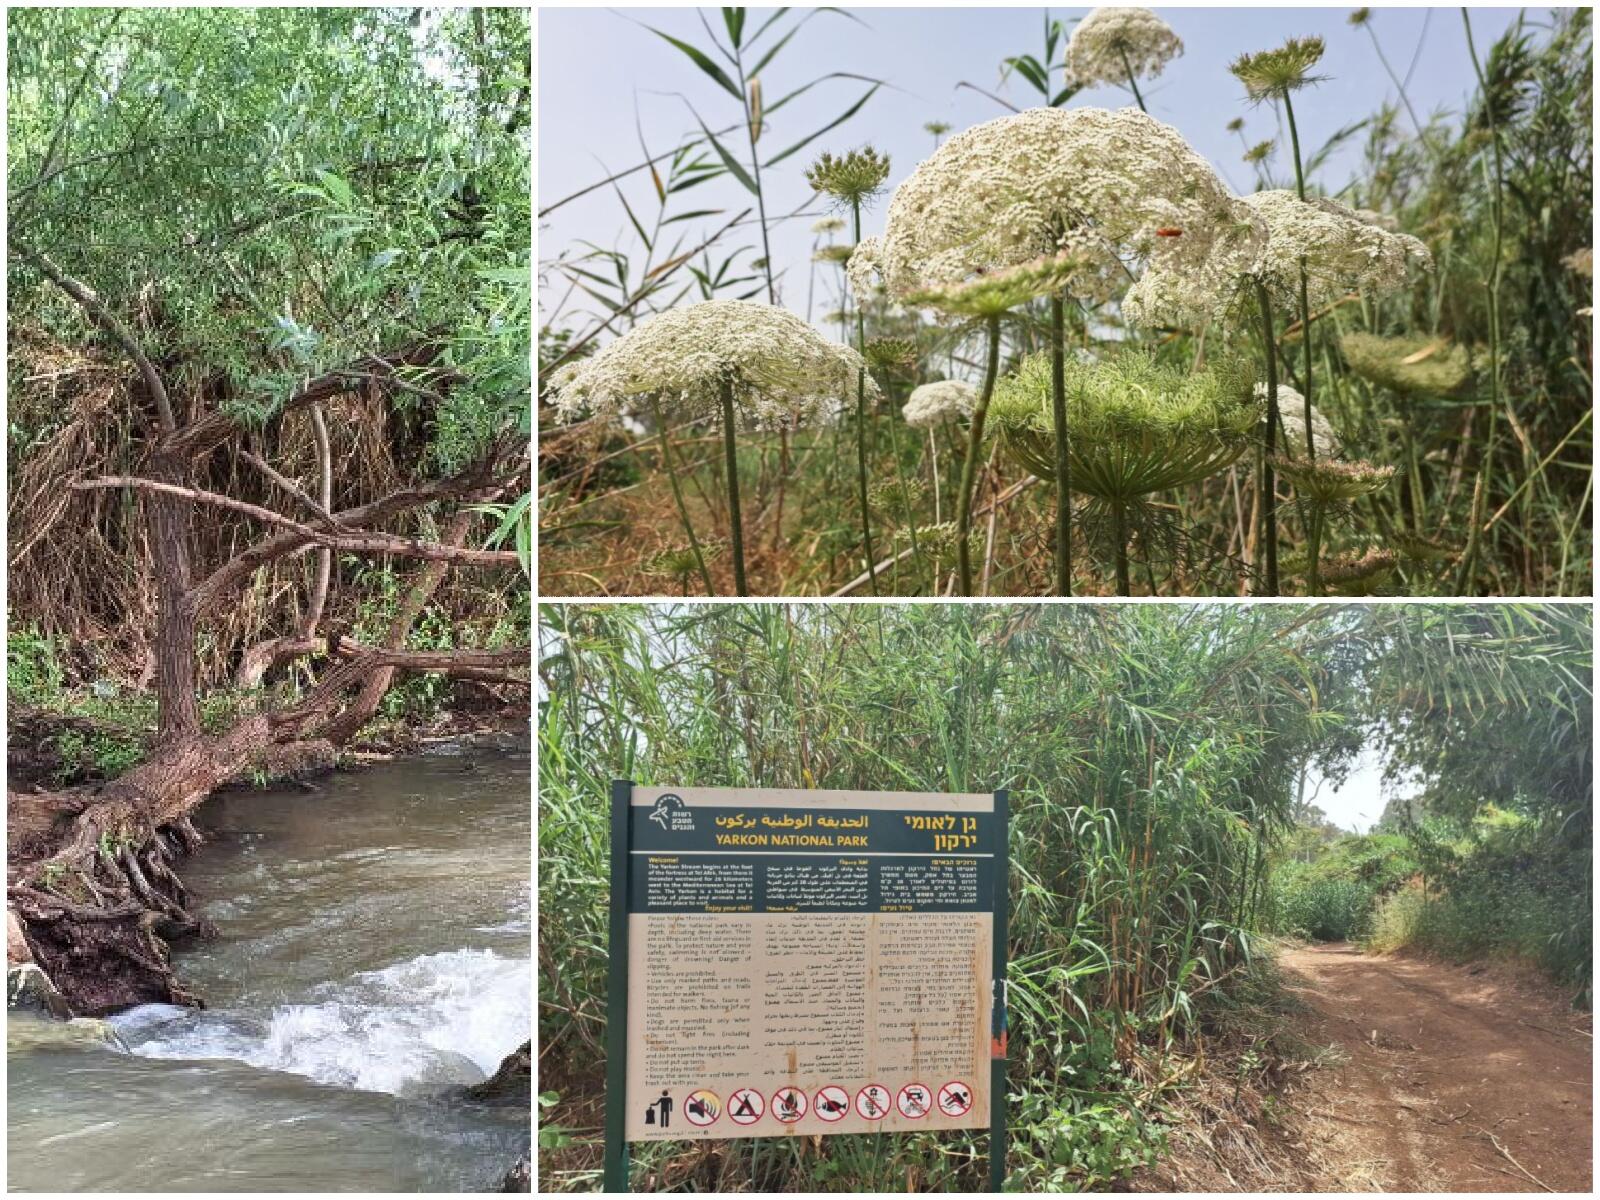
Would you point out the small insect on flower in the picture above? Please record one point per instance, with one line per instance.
(1169, 232)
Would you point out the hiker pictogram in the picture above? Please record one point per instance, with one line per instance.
(872, 1102)
(913, 1101)
(955, 1098)
(746, 1105)
(832, 1102)
(702, 1108)
(789, 1104)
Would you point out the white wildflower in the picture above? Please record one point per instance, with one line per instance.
(1111, 43)
(939, 403)
(1114, 189)
(1341, 250)
(1342, 247)
(783, 372)
(828, 225)
(1292, 411)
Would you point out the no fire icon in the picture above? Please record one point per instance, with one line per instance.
(789, 1104)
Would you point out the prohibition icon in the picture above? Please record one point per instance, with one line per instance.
(702, 1107)
(955, 1099)
(832, 1102)
(746, 1105)
(789, 1104)
(872, 1102)
(912, 1101)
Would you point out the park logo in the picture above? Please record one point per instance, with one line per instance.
(672, 814)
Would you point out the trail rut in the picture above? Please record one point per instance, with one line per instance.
(1452, 1079)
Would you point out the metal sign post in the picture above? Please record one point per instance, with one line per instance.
(616, 1153)
(791, 963)
(998, 1048)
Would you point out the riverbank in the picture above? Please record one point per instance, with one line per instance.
(370, 965)
(85, 736)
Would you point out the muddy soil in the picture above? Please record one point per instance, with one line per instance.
(1444, 1078)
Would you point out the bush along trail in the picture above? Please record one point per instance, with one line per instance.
(1165, 845)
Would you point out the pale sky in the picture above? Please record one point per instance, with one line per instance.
(1359, 802)
(599, 68)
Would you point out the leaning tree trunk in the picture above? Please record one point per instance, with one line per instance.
(90, 875)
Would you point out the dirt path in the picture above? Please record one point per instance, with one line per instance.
(1452, 1079)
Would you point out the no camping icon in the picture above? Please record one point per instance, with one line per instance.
(746, 1105)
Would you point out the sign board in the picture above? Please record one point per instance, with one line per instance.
(804, 962)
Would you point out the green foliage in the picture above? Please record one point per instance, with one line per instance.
(1513, 890)
(1148, 782)
(267, 194)
(33, 668)
(1324, 910)
(96, 754)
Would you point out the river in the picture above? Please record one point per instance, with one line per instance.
(373, 955)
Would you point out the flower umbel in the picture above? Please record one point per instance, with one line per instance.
(783, 372)
(1095, 183)
(1328, 483)
(1267, 74)
(994, 294)
(1412, 366)
(1292, 412)
(850, 179)
(1137, 425)
(1110, 44)
(940, 403)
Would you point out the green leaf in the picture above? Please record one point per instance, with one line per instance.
(806, 87)
(1028, 67)
(702, 61)
(336, 189)
(689, 216)
(733, 18)
(837, 121)
(766, 25)
(728, 160)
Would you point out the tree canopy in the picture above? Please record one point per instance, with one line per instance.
(266, 195)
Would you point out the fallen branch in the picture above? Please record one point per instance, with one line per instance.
(356, 541)
(1506, 1154)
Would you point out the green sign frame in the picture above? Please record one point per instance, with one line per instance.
(616, 1160)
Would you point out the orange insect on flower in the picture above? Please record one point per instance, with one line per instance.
(1169, 233)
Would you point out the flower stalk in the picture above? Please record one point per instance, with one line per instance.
(735, 524)
(974, 450)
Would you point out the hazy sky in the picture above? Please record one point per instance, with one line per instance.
(1359, 802)
(599, 68)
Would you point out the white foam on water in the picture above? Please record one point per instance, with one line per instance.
(422, 1024)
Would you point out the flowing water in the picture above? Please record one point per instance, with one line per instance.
(373, 956)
